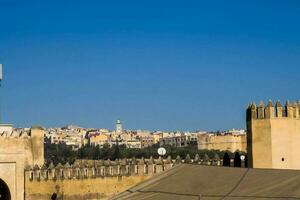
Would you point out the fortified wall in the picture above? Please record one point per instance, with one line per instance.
(273, 135)
(18, 150)
(90, 179)
(102, 179)
(230, 143)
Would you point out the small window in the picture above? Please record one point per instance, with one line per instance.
(282, 159)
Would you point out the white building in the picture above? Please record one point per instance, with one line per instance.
(119, 128)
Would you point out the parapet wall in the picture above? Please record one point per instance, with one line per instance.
(98, 179)
(290, 110)
(84, 169)
(90, 179)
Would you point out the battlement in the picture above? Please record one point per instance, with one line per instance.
(29, 142)
(15, 135)
(86, 169)
(102, 179)
(290, 110)
(21, 133)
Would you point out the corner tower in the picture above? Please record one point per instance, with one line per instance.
(273, 135)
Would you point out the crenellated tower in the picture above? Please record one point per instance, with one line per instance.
(273, 135)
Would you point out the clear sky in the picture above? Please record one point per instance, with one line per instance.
(169, 65)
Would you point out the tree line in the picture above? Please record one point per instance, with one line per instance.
(62, 153)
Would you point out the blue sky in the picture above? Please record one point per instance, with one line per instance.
(168, 65)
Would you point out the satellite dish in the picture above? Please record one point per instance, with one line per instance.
(243, 157)
(161, 151)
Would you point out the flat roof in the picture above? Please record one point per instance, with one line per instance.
(194, 182)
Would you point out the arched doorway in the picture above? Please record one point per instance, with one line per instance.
(237, 160)
(4, 191)
(226, 160)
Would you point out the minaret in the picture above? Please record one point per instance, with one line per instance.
(119, 126)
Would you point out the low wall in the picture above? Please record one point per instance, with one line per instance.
(89, 179)
(81, 189)
(93, 180)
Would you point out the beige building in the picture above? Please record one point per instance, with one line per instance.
(147, 141)
(225, 142)
(157, 136)
(176, 141)
(17, 152)
(100, 139)
(274, 136)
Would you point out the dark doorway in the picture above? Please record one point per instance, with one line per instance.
(237, 160)
(226, 160)
(4, 191)
(246, 161)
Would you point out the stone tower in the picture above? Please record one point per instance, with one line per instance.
(37, 136)
(273, 135)
(18, 150)
(119, 126)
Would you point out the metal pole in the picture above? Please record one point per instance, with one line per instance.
(0, 101)
(1, 77)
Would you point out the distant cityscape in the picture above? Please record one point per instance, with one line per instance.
(75, 136)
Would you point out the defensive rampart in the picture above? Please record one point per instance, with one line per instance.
(99, 179)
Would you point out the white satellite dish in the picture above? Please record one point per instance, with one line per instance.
(243, 157)
(161, 151)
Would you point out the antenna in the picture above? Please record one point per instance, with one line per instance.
(161, 151)
(0, 91)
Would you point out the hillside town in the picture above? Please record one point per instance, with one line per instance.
(76, 137)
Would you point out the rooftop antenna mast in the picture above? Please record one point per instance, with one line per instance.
(0, 92)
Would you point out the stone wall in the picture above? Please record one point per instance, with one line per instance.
(230, 143)
(31, 144)
(90, 179)
(100, 179)
(274, 135)
(18, 150)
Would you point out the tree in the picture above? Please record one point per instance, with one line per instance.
(116, 152)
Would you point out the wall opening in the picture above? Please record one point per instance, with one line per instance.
(226, 160)
(4, 191)
(237, 160)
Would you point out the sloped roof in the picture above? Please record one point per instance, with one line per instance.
(194, 182)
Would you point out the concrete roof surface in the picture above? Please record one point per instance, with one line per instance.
(194, 182)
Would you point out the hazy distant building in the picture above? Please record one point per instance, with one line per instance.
(227, 141)
(147, 141)
(99, 139)
(178, 140)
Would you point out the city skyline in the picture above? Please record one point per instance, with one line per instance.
(156, 66)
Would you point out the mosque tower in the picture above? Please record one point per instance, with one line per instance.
(119, 126)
